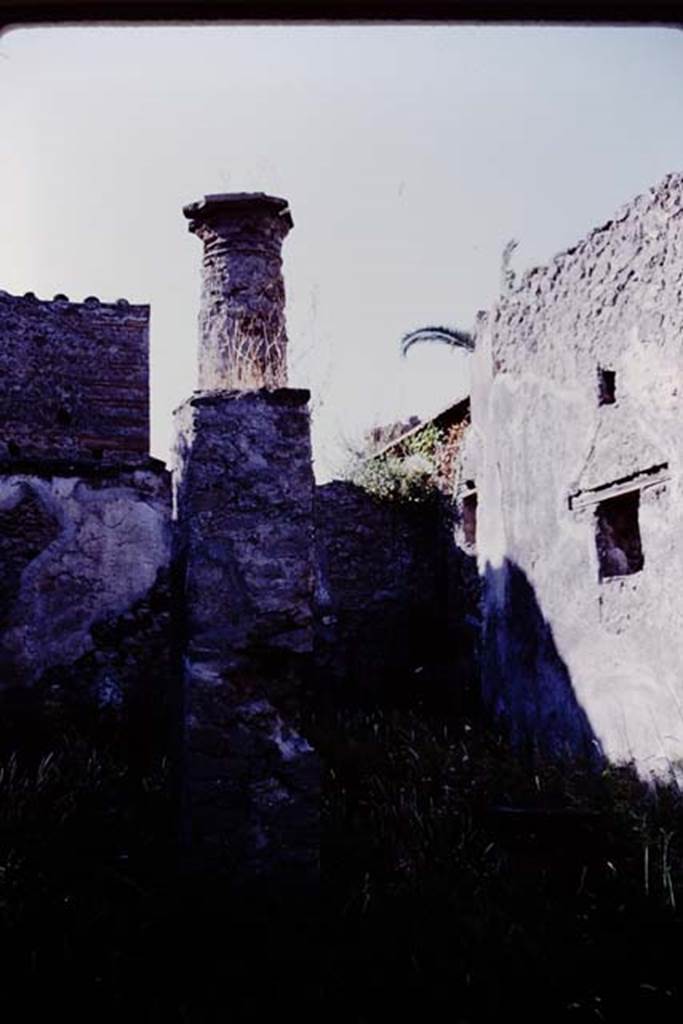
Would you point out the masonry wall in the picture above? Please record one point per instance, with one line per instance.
(75, 379)
(575, 662)
(85, 522)
(388, 594)
(244, 510)
(75, 552)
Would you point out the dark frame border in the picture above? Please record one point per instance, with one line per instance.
(17, 13)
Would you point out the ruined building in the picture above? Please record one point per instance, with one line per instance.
(566, 490)
(85, 535)
(243, 496)
(229, 590)
(222, 593)
(576, 446)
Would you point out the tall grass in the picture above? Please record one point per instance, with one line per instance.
(465, 880)
(460, 882)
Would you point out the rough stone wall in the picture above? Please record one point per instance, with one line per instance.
(242, 334)
(75, 379)
(125, 687)
(243, 503)
(74, 551)
(575, 662)
(387, 594)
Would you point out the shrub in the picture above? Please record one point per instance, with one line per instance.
(406, 472)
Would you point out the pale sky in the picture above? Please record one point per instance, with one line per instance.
(409, 155)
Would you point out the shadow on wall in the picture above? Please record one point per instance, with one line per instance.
(525, 682)
(396, 601)
(402, 617)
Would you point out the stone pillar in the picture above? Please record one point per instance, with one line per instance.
(242, 336)
(243, 487)
(244, 496)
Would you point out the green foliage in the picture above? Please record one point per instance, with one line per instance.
(424, 441)
(405, 473)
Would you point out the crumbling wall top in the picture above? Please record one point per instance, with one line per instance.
(619, 285)
(665, 198)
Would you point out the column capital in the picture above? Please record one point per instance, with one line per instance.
(237, 205)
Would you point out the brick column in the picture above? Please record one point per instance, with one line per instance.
(242, 335)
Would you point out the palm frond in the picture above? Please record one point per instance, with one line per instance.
(444, 335)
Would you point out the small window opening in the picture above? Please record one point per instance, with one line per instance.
(64, 417)
(469, 519)
(96, 453)
(617, 536)
(607, 386)
(13, 448)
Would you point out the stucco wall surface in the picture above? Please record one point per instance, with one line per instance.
(571, 661)
(74, 551)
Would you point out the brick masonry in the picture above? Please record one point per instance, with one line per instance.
(75, 379)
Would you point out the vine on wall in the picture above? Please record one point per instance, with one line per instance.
(417, 469)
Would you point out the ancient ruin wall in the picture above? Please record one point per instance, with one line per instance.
(85, 599)
(244, 510)
(381, 594)
(75, 551)
(576, 656)
(75, 379)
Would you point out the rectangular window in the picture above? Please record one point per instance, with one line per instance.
(617, 536)
(607, 386)
(469, 519)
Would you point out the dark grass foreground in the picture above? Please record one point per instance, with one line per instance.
(459, 884)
